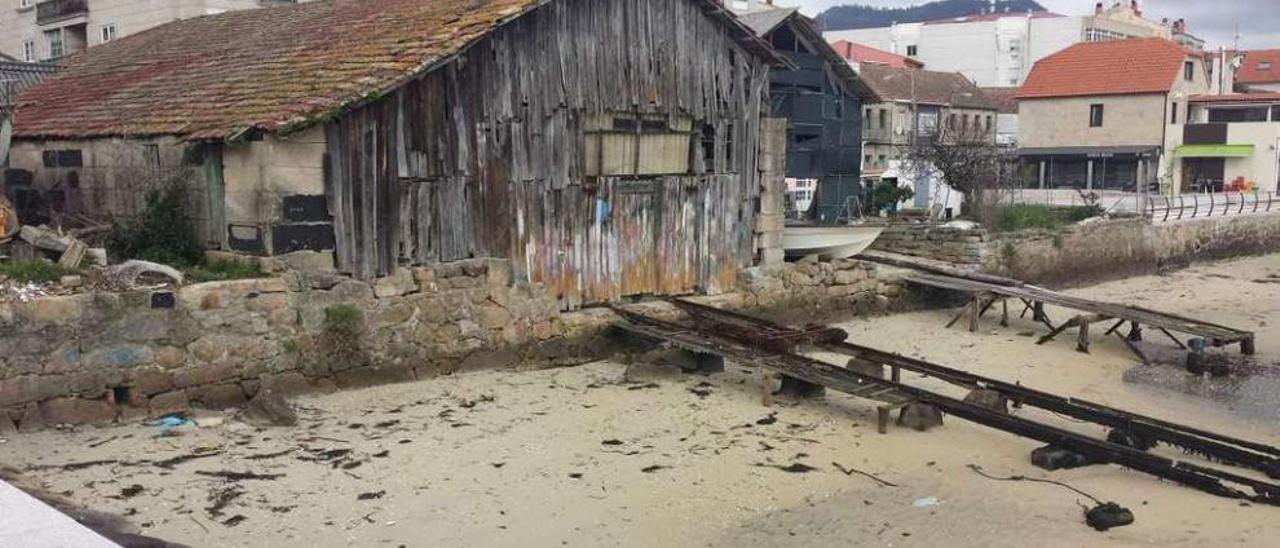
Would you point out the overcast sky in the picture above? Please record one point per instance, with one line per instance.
(1213, 20)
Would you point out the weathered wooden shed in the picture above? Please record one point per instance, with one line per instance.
(607, 147)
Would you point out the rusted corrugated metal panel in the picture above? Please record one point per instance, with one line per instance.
(500, 154)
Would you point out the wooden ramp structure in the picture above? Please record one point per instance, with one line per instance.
(985, 294)
(758, 344)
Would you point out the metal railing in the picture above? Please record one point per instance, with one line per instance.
(1221, 204)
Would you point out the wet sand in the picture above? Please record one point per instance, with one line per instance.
(609, 454)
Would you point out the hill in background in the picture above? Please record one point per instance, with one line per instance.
(862, 17)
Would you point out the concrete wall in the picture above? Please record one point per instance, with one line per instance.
(1093, 251)
(1114, 249)
(1064, 122)
(99, 357)
(115, 175)
(258, 174)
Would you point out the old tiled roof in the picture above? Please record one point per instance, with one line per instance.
(1260, 66)
(277, 68)
(1004, 98)
(1119, 67)
(924, 86)
(858, 53)
(15, 77)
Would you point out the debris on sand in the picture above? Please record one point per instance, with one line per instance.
(851, 471)
(131, 491)
(371, 495)
(653, 468)
(702, 389)
(269, 408)
(793, 468)
(237, 476)
(222, 495)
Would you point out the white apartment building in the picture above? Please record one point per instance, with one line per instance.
(998, 49)
(43, 30)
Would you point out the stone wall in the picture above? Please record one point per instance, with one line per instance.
(1092, 251)
(1110, 249)
(942, 243)
(1076, 254)
(100, 357)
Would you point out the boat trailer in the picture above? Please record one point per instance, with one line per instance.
(759, 344)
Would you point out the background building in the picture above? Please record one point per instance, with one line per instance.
(1259, 70)
(15, 77)
(40, 30)
(857, 54)
(915, 105)
(1230, 143)
(1097, 116)
(999, 49)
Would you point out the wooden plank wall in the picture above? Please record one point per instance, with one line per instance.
(485, 156)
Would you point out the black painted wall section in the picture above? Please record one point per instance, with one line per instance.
(824, 123)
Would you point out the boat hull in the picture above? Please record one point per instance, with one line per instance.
(828, 242)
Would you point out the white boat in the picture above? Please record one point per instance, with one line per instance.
(828, 242)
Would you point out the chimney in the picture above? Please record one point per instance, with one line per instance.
(1133, 4)
(1097, 8)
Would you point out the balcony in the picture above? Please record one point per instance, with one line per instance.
(1205, 134)
(53, 11)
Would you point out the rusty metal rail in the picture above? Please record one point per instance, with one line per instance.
(714, 339)
(1217, 447)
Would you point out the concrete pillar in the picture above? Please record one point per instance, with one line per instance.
(1088, 178)
(773, 165)
(1043, 168)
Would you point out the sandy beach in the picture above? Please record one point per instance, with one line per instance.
(617, 454)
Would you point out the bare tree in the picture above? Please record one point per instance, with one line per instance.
(965, 158)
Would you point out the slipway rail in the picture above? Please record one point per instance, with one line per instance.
(1211, 445)
(754, 343)
(983, 295)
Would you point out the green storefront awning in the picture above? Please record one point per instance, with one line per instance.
(1214, 151)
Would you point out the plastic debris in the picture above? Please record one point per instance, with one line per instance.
(172, 425)
(925, 502)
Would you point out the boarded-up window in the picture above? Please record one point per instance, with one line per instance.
(627, 144)
(63, 158)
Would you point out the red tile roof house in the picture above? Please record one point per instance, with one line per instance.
(1260, 70)
(1100, 115)
(396, 132)
(857, 54)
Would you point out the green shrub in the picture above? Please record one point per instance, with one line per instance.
(162, 233)
(1022, 216)
(214, 271)
(1075, 214)
(342, 319)
(35, 270)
